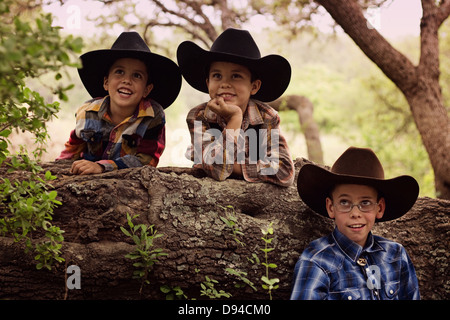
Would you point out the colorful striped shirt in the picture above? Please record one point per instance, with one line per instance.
(335, 268)
(138, 140)
(260, 148)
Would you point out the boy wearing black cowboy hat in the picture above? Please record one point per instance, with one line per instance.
(123, 126)
(352, 263)
(246, 140)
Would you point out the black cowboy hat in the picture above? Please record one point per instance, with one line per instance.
(357, 166)
(164, 73)
(235, 46)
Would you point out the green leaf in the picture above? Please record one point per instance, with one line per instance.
(125, 231)
(267, 250)
(165, 289)
(270, 282)
(5, 133)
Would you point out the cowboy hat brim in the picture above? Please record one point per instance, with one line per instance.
(274, 71)
(165, 74)
(314, 185)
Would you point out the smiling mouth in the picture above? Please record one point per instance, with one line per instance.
(356, 226)
(125, 91)
(226, 96)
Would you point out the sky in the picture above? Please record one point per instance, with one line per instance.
(397, 19)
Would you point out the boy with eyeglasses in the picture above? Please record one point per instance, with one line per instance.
(352, 263)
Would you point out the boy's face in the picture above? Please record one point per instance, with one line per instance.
(126, 83)
(355, 224)
(232, 82)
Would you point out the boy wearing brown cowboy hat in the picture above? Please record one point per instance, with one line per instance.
(123, 126)
(236, 133)
(352, 263)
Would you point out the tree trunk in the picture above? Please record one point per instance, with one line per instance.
(184, 206)
(419, 84)
(305, 110)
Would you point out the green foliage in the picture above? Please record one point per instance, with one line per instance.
(175, 293)
(29, 50)
(211, 292)
(269, 283)
(231, 222)
(207, 287)
(241, 275)
(27, 208)
(389, 129)
(143, 254)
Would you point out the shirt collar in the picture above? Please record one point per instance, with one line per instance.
(145, 108)
(253, 116)
(353, 250)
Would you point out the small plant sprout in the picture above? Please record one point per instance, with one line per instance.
(175, 293)
(231, 222)
(207, 289)
(143, 254)
(268, 284)
(242, 275)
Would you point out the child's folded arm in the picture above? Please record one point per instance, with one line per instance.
(208, 147)
(212, 154)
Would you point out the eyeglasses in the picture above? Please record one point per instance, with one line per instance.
(346, 206)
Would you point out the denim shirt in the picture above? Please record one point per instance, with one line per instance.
(334, 268)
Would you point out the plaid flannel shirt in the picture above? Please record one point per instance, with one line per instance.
(263, 155)
(328, 269)
(139, 140)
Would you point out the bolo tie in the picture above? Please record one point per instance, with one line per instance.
(362, 262)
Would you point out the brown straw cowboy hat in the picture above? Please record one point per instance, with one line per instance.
(235, 46)
(357, 166)
(163, 72)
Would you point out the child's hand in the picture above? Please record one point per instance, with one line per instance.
(84, 167)
(226, 111)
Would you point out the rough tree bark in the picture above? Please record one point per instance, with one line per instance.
(185, 206)
(419, 84)
(305, 110)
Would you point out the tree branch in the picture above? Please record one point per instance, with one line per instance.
(395, 65)
(206, 25)
(444, 11)
(429, 40)
(187, 211)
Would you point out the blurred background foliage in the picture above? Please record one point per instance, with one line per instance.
(354, 103)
